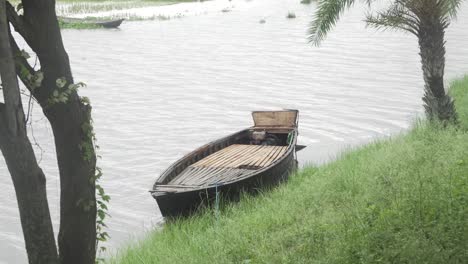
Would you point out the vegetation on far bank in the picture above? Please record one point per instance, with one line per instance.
(73, 7)
(77, 25)
(399, 200)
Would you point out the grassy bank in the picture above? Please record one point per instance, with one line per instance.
(401, 200)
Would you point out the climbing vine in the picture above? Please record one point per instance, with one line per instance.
(63, 91)
(89, 146)
(32, 81)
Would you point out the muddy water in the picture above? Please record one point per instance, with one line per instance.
(161, 88)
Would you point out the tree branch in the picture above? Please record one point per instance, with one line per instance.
(18, 23)
(23, 68)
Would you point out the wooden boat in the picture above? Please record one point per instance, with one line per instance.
(102, 23)
(253, 158)
(110, 24)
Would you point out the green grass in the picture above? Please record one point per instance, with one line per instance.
(399, 200)
(460, 92)
(77, 25)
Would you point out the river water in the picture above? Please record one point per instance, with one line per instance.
(161, 88)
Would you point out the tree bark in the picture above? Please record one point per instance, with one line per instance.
(437, 103)
(77, 235)
(28, 178)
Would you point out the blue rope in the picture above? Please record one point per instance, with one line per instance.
(217, 203)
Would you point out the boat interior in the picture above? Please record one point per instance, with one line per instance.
(248, 151)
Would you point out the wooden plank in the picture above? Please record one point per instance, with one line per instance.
(278, 156)
(175, 186)
(219, 155)
(236, 173)
(214, 155)
(214, 176)
(230, 155)
(189, 175)
(265, 154)
(275, 156)
(285, 118)
(262, 163)
(223, 165)
(195, 173)
(228, 174)
(247, 155)
(237, 155)
(234, 157)
(211, 174)
(200, 174)
(251, 158)
(182, 176)
(213, 158)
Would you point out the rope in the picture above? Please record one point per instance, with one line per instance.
(216, 203)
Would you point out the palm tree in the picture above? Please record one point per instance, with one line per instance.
(427, 20)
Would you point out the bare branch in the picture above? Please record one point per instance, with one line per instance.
(18, 23)
(11, 93)
(23, 68)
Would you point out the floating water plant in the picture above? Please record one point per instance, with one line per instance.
(291, 15)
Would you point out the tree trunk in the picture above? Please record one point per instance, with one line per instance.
(437, 103)
(28, 178)
(77, 235)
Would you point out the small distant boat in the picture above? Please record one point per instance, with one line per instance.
(253, 158)
(102, 23)
(110, 24)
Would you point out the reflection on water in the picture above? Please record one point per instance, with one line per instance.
(161, 88)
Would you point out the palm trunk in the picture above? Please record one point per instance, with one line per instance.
(437, 103)
(28, 178)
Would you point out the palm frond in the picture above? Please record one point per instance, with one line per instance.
(450, 7)
(327, 14)
(397, 16)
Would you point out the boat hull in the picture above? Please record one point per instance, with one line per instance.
(181, 204)
(111, 24)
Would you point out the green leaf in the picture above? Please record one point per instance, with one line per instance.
(37, 79)
(61, 82)
(25, 54)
